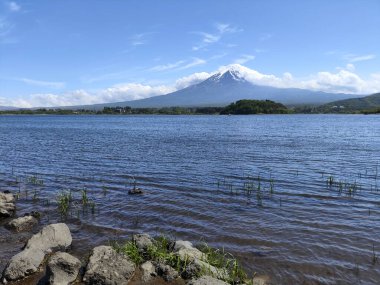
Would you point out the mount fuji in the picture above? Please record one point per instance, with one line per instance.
(229, 85)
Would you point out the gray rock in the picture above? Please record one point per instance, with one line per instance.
(180, 244)
(22, 224)
(63, 268)
(148, 271)
(190, 254)
(206, 280)
(186, 251)
(142, 241)
(197, 261)
(261, 280)
(7, 197)
(210, 270)
(7, 206)
(108, 267)
(167, 272)
(7, 210)
(51, 237)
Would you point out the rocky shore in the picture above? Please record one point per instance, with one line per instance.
(46, 259)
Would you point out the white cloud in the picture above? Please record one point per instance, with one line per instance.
(191, 79)
(179, 65)
(343, 81)
(194, 62)
(351, 57)
(357, 58)
(265, 37)
(13, 6)
(168, 66)
(132, 91)
(350, 67)
(117, 93)
(211, 38)
(139, 39)
(244, 58)
(49, 84)
(226, 28)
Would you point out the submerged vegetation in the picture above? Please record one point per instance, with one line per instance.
(261, 191)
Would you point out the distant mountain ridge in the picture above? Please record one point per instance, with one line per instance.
(229, 86)
(6, 108)
(353, 104)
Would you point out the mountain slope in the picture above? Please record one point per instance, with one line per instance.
(224, 88)
(228, 86)
(6, 108)
(355, 104)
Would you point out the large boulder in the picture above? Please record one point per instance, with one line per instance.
(63, 268)
(28, 261)
(51, 237)
(7, 206)
(107, 267)
(22, 224)
(206, 280)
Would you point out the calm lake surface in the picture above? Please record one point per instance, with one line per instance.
(255, 185)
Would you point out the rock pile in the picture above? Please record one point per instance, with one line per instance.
(50, 238)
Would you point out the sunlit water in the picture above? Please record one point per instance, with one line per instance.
(208, 178)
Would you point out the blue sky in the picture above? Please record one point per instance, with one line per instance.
(70, 52)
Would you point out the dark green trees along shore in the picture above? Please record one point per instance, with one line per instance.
(246, 107)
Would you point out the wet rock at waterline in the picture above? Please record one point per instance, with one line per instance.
(22, 223)
(135, 191)
(142, 241)
(108, 267)
(63, 269)
(7, 197)
(187, 252)
(51, 237)
(261, 280)
(7, 206)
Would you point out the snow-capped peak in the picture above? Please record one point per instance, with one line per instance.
(235, 71)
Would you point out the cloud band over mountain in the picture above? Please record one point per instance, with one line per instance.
(344, 80)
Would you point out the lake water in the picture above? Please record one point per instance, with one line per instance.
(255, 185)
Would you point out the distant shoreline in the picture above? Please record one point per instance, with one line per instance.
(240, 107)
